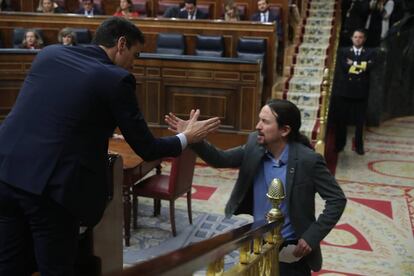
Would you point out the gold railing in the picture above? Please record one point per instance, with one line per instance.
(258, 244)
(327, 83)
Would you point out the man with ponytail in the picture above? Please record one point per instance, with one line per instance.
(278, 150)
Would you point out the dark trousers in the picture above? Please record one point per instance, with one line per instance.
(349, 112)
(36, 228)
(299, 268)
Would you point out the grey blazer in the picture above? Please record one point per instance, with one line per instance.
(306, 175)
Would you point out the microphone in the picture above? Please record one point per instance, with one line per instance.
(276, 194)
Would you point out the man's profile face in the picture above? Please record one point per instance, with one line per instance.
(358, 39)
(268, 129)
(262, 5)
(190, 8)
(125, 57)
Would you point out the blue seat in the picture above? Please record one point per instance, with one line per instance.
(170, 43)
(251, 48)
(83, 35)
(212, 46)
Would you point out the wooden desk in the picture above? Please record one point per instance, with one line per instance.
(134, 169)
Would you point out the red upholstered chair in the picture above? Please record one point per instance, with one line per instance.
(164, 187)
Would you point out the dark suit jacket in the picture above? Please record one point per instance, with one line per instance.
(55, 139)
(306, 174)
(271, 18)
(96, 11)
(199, 14)
(356, 85)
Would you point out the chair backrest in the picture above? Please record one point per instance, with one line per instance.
(83, 35)
(182, 172)
(18, 34)
(277, 10)
(170, 43)
(207, 45)
(141, 6)
(163, 6)
(206, 9)
(251, 48)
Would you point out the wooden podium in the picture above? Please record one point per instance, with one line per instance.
(107, 235)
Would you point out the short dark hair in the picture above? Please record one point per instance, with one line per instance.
(288, 114)
(360, 30)
(113, 28)
(194, 2)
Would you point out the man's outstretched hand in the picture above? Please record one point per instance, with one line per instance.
(194, 130)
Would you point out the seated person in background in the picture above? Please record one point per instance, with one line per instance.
(67, 37)
(172, 12)
(264, 14)
(231, 13)
(49, 6)
(32, 40)
(89, 8)
(5, 5)
(191, 12)
(126, 9)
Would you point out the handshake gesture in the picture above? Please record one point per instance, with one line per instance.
(195, 131)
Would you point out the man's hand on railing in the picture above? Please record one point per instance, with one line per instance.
(302, 249)
(194, 130)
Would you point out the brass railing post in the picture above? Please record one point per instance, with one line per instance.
(276, 195)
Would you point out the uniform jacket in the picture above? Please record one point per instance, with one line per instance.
(356, 85)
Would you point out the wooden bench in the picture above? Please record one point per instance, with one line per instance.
(231, 31)
(223, 87)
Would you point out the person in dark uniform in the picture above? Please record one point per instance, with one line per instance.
(350, 101)
(54, 146)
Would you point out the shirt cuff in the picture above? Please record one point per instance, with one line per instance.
(355, 63)
(183, 140)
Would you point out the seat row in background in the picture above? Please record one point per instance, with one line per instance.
(174, 44)
(213, 46)
(83, 35)
(151, 8)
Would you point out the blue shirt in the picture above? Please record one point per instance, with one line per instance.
(269, 169)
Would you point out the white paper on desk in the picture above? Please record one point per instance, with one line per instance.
(286, 254)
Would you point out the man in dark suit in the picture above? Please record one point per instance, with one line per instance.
(278, 150)
(350, 101)
(264, 14)
(191, 12)
(54, 145)
(89, 8)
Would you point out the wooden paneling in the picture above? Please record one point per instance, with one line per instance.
(51, 24)
(229, 90)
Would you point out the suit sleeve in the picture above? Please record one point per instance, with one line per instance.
(231, 158)
(124, 107)
(335, 201)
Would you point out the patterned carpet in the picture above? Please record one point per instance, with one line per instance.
(376, 232)
(374, 236)
(304, 84)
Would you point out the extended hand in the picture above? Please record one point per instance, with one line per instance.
(302, 249)
(194, 130)
(349, 61)
(176, 124)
